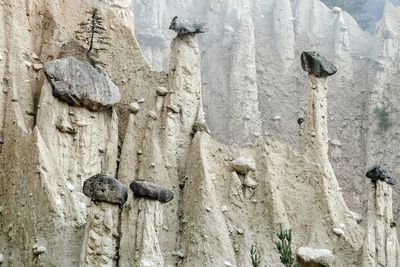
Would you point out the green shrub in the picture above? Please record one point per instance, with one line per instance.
(284, 246)
(383, 117)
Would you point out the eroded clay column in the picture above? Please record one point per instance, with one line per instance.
(314, 127)
(381, 247)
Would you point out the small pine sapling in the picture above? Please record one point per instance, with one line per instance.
(92, 33)
(284, 246)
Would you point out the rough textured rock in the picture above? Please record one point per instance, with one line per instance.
(134, 107)
(313, 257)
(151, 191)
(243, 165)
(80, 84)
(200, 126)
(161, 91)
(377, 173)
(105, 188)
(381, 246)
(53, 212)
(278, 31)
(314, 63)
(185, 28)
(100, 241)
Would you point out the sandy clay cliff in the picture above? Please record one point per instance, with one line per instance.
(62, 121)
(257, 45)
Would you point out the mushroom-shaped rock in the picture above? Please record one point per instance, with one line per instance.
(105, 188)
(242, 165)
(78, 83)
(377, 173)
(312, 257)
(314, 63)
(151, 190)
(161, 91)
(200, 126)
(185, 28)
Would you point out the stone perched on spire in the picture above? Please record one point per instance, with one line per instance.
(105, 188)
(151, 191)
(314, 63)
(186, 28)
(377, 173)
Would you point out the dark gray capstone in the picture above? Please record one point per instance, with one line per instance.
(80, 84)
(105, 188)
(377, 173)
(151, 191)
(314, 63)
(186, 28)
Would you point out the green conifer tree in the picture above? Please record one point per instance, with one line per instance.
(92, 33)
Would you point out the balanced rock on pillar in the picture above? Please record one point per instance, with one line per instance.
(105, 188)
(377, 173)
(151, 191)
(319, 66)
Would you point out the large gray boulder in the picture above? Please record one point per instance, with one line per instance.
(151, 191)
(313, 257)
(80, 84)
(314, 63)
(186, 28)
(105, 188)
(377, 173)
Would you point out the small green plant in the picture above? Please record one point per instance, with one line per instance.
(284, 246)
(255, 257)
(92, 33)
(383, 117)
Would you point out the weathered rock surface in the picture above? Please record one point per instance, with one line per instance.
(105, 188)
(152, 191)
(134, 107)
(200, 126)
(161, 91)
(377, 173)
(186, 28)
(313, 257)
(243, 165)
(80, 84)
(314, 63)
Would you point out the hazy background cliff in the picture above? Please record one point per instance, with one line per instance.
(253, 86)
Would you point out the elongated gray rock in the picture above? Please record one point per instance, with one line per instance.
(377, 173)
(185, 28)
(105, 188)
(80, 84)
(314, 63)
(312, 257)
(151, 190)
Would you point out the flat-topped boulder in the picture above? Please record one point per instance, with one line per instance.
(185, 27)
(151, 191)
(377, 173)
(105, 188)
(314, 257)
(319, 66)
(80, 84)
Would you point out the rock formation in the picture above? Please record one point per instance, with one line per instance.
(278, 32)
(381, 245)
(221, 206)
